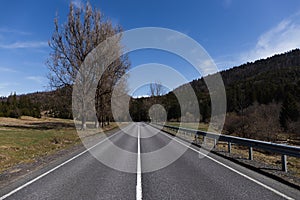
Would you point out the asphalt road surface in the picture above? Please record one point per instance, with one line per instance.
(146, 173)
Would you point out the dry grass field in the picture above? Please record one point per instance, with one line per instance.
(199, 126)
(26, 139)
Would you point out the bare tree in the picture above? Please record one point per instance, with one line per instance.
(120, 101)
(156, 89)
(114, 72)
(73, 43)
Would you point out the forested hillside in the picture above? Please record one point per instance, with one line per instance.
(263, 81)
(262, 97)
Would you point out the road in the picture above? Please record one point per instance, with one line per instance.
(83, 176)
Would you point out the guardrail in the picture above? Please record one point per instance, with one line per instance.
(283, 150)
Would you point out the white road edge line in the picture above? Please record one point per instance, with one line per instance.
(139, 169)
(234, 170)
(53, 169)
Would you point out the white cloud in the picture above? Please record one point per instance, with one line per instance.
(38, 79)
(4, 85)
(283, 37)
(223, 62)
(7, 88)
(19, 45)
(207, 66)
(14, 31)
(6, 32)
(6, 69)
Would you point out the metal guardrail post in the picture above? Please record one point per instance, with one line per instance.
(250, 153)
(284, 163)
(229, 147)
(215, 142)
(204, 140)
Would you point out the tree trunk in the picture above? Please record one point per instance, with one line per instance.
(83, 123)
(108, 121)
(96, 123)
(102, 122)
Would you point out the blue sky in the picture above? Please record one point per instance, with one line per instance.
(231, 31)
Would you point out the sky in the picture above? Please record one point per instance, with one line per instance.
(231, 31)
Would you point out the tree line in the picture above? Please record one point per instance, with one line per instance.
(15, 106)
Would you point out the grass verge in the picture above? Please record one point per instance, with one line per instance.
(27, 139)
(199, 126)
